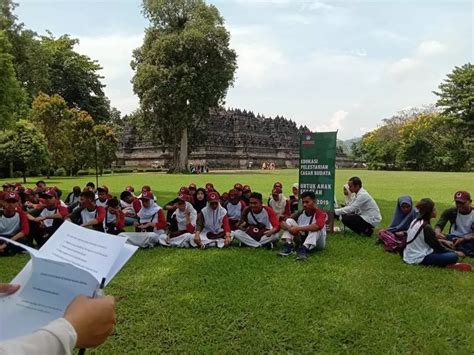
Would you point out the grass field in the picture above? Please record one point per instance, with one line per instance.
(351, 298)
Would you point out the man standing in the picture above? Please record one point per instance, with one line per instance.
(88, 214)
(259, 225)
(363, 214)
(212, 227)
(305, 229)
(13, 224)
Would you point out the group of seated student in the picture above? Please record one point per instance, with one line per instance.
(201, 217)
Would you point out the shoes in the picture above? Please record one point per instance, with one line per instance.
(301, 254)
(460, 266)
(268, 246)
(368, 232)
(286, 250)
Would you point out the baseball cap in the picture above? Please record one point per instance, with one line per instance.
(192, 186)
(29, 191)
(146, 188)
(50, 192)
(146, 195)
(462, 196)
(184, 190)
(130, 189)
(103, 188)
(11, 196)
(233, 193)
(278, 184)
(213, 197)
(247, 188)
(238, 187)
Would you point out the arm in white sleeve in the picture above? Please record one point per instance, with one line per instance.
(58, 337)
(358, 201)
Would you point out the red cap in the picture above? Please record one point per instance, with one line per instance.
(146, 188)
(130, 189)
(238, 187)
(6, 184)
(209, 185)
(192, 186)
(213, 197)
(276, 191)
(462, 196)
(103, 188)
(11, 196)
(184, 190)
(278, 184)
(51, 192)
(19, 189)
(233, 193)
(146, 195)
(29, 191)
(247, 188)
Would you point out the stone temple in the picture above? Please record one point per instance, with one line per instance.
(240, 138)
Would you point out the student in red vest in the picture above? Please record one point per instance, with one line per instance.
(114, 221)
(49, 216)
(13, 224)
(259, 225)
(88, 215)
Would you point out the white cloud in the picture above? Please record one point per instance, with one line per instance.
(335, 123)
(114, 53)
(428, 49)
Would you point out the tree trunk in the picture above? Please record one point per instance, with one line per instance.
(24, 176)
(180, 156)
(10, 166)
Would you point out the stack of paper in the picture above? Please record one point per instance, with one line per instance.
(72, 262)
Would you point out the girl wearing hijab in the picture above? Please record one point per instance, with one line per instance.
(212, 228)
(200, 200)
(404, 215)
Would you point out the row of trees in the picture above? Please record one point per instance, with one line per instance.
(438, 137)
(53, 109)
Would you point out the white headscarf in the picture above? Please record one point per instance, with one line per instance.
(213, 218)
(148, 214)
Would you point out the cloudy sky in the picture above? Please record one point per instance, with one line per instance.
(328, 64)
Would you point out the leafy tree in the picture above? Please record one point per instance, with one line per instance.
(25, 147)
(456, 97)
(182, 70)
(12, 97)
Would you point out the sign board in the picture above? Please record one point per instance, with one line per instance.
(317, 167)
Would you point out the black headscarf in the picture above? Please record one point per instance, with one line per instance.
(199, 205)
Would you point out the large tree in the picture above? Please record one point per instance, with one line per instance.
(182, 70)
(12, 97)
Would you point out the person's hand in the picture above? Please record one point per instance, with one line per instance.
(92, 318)
(268, 233)
(8, 288)
(293, 230)
(440, 235)
(197, 239)
(227, 240)
(447, 243)
(398, 234)
(39, 219)
(458, 241)
(460, 254)
(3, 246)
(136, 224)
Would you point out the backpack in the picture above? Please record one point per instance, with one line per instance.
(395, 244)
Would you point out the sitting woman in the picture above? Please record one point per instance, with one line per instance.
(404, 215)
(422, 246)
(200, 199)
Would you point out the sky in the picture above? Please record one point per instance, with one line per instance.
(329, 65)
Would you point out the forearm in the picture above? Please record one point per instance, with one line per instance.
(92, 222)
(18, 236)
(58, 337)
(309, 228)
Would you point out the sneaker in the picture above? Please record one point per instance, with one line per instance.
(268, 246)
(368, 232)
(301, 254)
(286, 250)
(460, 266)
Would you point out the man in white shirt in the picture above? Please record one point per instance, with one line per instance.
(363, 214)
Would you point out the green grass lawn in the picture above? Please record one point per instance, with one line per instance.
(351, 298)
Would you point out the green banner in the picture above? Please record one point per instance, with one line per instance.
(317, 167)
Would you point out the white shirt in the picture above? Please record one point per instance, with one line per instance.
(464, 224)
(416, 250)
(363, 205)
(58, 337)
(48, 213)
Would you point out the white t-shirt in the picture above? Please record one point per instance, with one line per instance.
(417, 249)
(48, 213)
(464, 224)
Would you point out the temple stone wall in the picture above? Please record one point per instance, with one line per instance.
(235, 138)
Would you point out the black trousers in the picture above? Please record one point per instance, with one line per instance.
(357, 224)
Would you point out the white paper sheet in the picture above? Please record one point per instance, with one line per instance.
(72, 262)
